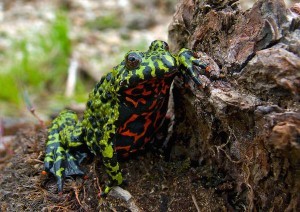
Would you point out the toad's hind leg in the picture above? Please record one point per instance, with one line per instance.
(62, 153)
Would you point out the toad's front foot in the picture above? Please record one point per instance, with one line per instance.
(113, 172)
(191, 65)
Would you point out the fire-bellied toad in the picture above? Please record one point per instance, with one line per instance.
(124, 112)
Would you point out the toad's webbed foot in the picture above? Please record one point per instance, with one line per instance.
(191, 65)
(61, 160)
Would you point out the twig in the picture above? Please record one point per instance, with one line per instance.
(229, 158)
(97, 179)
(71, 81)
(8, 152)
(83, 191)
(35, 160)
(77, 196)
(31, 109)
(57, 207)
(220, 147)
(5, 158)
(195, 203)
(250, 197)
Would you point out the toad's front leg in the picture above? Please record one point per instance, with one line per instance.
(190, 65)
(112, 166)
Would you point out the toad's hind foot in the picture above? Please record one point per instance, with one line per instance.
(64, 165)
(61, 158)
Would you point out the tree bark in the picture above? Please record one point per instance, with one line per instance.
(243, 129)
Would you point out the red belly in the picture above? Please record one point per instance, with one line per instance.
(145, 109)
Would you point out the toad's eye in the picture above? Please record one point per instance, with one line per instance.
(132, 61)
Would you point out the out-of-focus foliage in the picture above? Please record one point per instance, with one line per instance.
(110, 21)
(36, 61)
(40, 40)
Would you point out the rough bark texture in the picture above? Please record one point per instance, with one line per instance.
(244, 128)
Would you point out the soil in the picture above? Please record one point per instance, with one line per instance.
(155, 185)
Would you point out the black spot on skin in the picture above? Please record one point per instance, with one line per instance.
(123, 141)
(96, 89)
(100, 90)
(98, 135)
(97, 85)
(112, 80)
(133, 80)
(70, 121)
(137, 126)
(109, 126)
(61, 127)
(93, 121)
(113, 161)
(111, 135)
(107, 168)
(137, 145)
(124, 72)
(83, 131)
(103, 99)
(89, 103)
(90, 135)
(137, 91)
(108, 95)
(51, 138)
(147, 72)
(102, 146)
(103, 119)
(113, 102)
(167, 62)
(101, 80)
(92, 109)
(153, 58)
(159, 73)
(108, 77)
(148, 87)
(144, 64)
(95, 147)
(107, 160)
(75, 138)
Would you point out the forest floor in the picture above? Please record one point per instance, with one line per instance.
(154, 184)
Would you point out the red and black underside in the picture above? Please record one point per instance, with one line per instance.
(143, 110)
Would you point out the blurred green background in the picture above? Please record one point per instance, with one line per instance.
(45, 42)
(42, 40)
